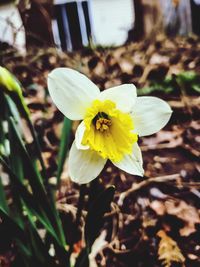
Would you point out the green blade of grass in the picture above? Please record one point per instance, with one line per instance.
(26, 114)
(2, 138)
(35, 209)
(40, 251)
(64, 147)
(34, 179)
(38, 187)
(43, 189)
(3, 202)
(82, 260)
(14, 227)
(31, 202)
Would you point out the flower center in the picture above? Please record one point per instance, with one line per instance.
(109, 131)
(102, 122)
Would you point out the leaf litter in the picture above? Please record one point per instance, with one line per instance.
(163, 206)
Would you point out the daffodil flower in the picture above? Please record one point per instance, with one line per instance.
(112, 120)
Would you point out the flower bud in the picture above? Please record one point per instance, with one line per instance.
(12, 86)
(8, 82)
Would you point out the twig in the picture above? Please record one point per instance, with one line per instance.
(162, 146)
(136, 187)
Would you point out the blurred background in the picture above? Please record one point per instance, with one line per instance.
(72, 24)
(154, 220)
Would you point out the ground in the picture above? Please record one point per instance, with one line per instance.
(162, 209)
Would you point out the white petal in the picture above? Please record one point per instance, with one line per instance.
(72, 92)
(150, 114)
(132, 163)
(79, 136)
(84, 165)
(123, 95)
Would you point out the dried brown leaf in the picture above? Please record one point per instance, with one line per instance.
(169, 251)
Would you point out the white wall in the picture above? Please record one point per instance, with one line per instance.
(112, 20)
(11, 29)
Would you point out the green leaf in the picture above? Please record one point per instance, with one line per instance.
(38, 200)
(35, 208)
(2, 138)
(145, 91)
(64, 146)
(14, 113)
(15, 229)
(3, 202)
(164, 87)
(196, 87)
(34, 179)
(15, 156)
(187, 76)
(30, 201)
(94, 219)
(16, 164)
(39, 249)
(24, 249)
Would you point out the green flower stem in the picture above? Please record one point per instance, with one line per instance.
(96, 187)
(80, 203)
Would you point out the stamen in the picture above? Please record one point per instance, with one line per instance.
(103, 124)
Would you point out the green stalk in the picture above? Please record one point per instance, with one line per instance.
(80, 203)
